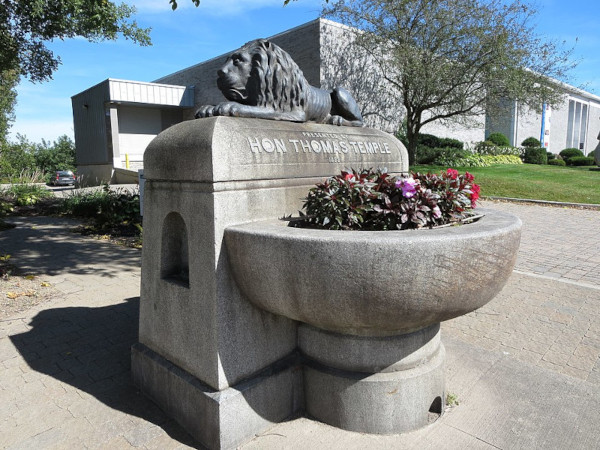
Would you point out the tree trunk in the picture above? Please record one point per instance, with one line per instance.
(412, 135)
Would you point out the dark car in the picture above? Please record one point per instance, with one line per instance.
(63, 178)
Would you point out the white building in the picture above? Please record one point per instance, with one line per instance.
(115, 120)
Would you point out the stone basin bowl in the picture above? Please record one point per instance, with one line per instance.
(373, 283)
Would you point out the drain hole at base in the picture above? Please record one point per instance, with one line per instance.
(435, 410)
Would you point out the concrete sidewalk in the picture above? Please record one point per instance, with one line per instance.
(525, 368)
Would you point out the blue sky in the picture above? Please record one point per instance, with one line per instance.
(191, 35)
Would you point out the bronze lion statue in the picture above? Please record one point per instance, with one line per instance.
(261, 80)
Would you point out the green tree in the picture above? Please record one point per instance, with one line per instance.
(8, 99)
(16, 158)
(58, 156)
(27, 25)
(453, 60)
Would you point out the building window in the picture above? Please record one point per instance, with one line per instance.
(577, 124)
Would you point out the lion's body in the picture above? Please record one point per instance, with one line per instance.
(261, 80)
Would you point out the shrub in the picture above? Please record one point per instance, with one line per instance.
(580, 161)
(499, 139)
(531, 142)
(535, 155)
(451, 143)
(503, 159)
(429, 140)
(374, 200)
(550, 156)
(485, 148)
(557, 162)
(489, 148)
(107, 208)
(570, 152)
(25, 194)
(427, 155)
(474, 160)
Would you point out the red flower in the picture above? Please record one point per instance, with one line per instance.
(348, 176)
(469, 177)
(452, 173)
(475, 189)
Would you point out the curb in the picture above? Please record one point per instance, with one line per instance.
(544, 202)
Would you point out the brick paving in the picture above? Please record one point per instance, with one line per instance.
(560, 243)
(549, 312)
(64, 365)
(543, 322)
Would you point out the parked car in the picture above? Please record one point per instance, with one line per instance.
(63, 178)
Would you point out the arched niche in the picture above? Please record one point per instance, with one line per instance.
(175, 265)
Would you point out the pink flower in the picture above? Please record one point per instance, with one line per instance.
(452, 173)
(348, 176)
(469, 177)
(408, 186)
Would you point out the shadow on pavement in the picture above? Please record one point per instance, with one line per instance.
(89, 348)
(46, 246)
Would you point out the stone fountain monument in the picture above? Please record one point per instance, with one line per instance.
(245, 322)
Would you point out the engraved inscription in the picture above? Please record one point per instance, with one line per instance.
(329, 144)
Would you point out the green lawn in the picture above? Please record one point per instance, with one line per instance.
(561, 184)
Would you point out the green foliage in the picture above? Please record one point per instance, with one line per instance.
(25, 194)
(451, 399)
(499, 139)
(8, 99)
(16, 158)
(580, 161)
(427, 155)
(108, 209)
(24, 157)
(486, 148)
(431, 148)
(374, 200)
(475, 160)
(428, 140)
(58, 156)
(452, 143)
(27, 25)
(550, 156)
(431, 141)
(489, 148)
(557, 162)
(535, 155)
(569, 153)
(531, 142)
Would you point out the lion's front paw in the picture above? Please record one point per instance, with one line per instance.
(227, 109)
(205, 111)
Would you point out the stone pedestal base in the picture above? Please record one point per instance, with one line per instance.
(220, 419)
(382, 385)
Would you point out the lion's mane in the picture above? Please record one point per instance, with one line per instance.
(275, 81)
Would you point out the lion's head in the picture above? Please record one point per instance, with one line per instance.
(262, 74)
